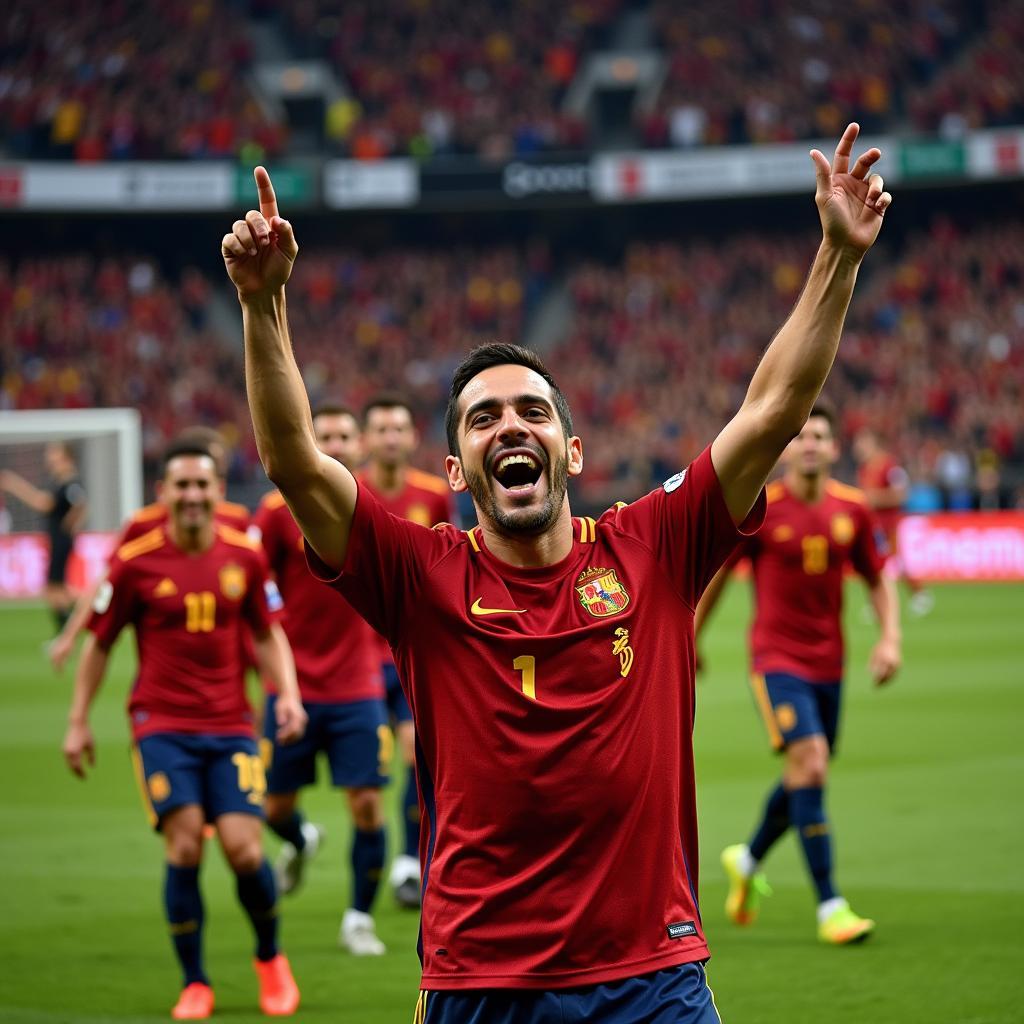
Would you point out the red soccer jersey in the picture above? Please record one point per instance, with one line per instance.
(799, 558)
(554, 714)
(187, 611)
(881, 473)
(425, 499)
(337, 655)
(150, 516)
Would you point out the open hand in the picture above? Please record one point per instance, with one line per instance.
(851, 203)
(259, 251)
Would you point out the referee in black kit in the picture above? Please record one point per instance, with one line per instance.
(64, 506)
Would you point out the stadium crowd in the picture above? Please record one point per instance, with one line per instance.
(757, 71)
(124, 81)
(136, 81)
(659, 347)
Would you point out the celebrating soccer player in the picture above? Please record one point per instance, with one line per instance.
(548, 659)
(814, 529)
(337, 660)
(187, 588)
(389, 442)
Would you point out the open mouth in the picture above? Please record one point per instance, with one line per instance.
(517, 471)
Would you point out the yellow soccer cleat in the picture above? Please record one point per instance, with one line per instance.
(745, 891)
(843, 927)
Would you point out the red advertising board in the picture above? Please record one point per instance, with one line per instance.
(24, 556)
(963, 546)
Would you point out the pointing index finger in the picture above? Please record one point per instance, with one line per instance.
(265, 188)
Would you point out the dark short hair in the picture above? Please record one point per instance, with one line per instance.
(201, 434)
(823, 408)
(388, 400)
(332, 407)
(482, 358)
(184, 447)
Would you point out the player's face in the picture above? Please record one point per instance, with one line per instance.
(190, 489)
(55, 458)
(864, 446)
(813, 451)
(514, 457)
(337, 435)
(389, 437)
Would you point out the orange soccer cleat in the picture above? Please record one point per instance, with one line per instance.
(194, 1003)
(279, 995)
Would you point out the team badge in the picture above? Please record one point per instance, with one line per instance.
(232, 581)
(159, 787)
(842, 528)
(785, 715)
(782, 533)
(165, 588)
(601, 593)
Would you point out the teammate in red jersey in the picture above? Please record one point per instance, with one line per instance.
(884, 483)
(549, 660)
(148, 517)
(814, 529)
(337, 660)
(389, 443)
(187, 587)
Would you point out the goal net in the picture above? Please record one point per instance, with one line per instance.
(107, 446)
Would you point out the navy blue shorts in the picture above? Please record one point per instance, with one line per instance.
(398, 706)
(355, 738)
(794, 708)
(676, 995)
(222, 774)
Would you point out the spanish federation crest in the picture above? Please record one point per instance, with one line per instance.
(843, 528)
(232, 581)
(601, 593)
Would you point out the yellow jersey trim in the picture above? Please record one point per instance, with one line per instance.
(775, 491)
(427, 481)
(233, 508)
(152, 511)
(473, 541)
(275, 499)
(235, 537)
(142, 545)
(846, 492)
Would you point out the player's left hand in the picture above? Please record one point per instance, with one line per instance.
(885, 661)
(79, 747)
(291, 719)
(851, 203)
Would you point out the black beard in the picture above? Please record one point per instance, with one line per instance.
(526, 521)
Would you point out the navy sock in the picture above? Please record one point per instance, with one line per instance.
(367, 867)
(411, 807)
(773, 824)
(183, 905)
(290, 830)
(807, 815)
(258, 895)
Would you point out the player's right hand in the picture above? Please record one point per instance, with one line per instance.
(59, 650)
(259, 251)
(78, 743)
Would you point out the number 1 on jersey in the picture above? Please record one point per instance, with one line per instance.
(527, 664)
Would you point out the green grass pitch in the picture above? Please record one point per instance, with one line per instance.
(925, 801)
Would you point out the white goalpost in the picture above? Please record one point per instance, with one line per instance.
(108, 448)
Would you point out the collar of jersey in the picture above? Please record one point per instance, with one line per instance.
(537, 574)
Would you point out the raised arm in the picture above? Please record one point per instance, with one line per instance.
(790, 377)
(16, 484)
(259, 253)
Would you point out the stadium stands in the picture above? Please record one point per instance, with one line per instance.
(660, 344)
(123, 81)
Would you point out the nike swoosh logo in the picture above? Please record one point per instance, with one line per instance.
(478, 609)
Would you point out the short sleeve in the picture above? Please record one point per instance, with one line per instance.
(384, 563)
(870, 548)
(265, 528)
(114, 605)
(263, 605)
(687, 524)
(74, 494)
